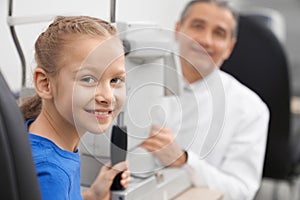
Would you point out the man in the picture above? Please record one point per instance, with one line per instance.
(220, 124)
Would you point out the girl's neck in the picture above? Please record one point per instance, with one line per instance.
(56, 129)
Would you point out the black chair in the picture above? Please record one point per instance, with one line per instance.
(259, 62)
(18, 178)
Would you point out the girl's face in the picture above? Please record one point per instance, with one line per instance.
(90, 86)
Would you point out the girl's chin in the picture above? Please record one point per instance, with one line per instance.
(100, 130)
(95, 130)
(94, 126)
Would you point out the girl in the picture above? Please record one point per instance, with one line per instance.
(80, 86)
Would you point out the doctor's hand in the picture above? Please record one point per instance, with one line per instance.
(100, 189)
(161, 143)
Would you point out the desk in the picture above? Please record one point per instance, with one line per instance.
(200, 193)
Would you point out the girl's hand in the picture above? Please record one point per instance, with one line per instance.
(100, 189)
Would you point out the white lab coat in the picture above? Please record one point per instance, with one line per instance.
(223, 126)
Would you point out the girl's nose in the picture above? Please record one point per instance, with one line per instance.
(104, 94)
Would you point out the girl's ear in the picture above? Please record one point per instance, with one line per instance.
(42, 83)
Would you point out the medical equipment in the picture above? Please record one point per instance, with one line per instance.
(118, 149)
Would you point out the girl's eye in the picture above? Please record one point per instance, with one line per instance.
(117, 81)
(89, 80)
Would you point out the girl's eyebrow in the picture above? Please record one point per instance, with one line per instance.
(86, 68)
(118, 71)
(119, 74)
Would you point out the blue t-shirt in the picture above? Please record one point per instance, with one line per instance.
(58, 170)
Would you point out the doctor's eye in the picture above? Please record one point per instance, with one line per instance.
(197, 26)
(220, 33)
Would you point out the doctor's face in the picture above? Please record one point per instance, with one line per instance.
(210, 30)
